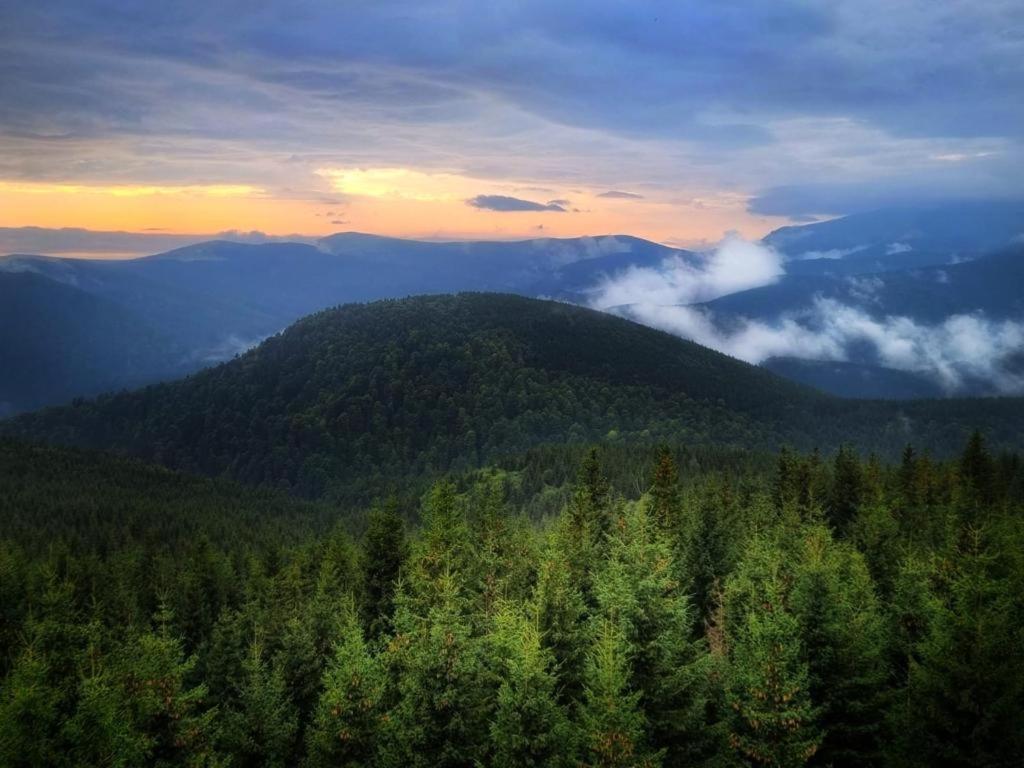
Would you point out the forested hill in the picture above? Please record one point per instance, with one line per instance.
(350, 399)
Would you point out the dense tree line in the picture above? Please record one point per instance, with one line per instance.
(348, 400)
(824, 610)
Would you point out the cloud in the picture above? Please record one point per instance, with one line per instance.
(616, 195)
(539, 92)
(832, 254)
(886, 189)
(960, 351)
(865, 289)
(735, 265)
(506, 204)
(965, 350)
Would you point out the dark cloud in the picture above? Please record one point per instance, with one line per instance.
(506, 204)
(616, 195)
(223, 86)
(806, 201)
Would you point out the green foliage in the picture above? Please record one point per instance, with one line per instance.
(260, 731)
(966, 681)
(384, 554)
(443, 686)
(612, 723)
(350, 400)
(347, 718)
(842, 630)
(529, 727)
(636, 591)
(768, 682)
(151, 618)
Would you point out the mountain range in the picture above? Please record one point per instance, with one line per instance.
(349, 400)
(78, 327)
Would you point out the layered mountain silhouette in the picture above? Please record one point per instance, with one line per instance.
(349, 399)
(77, 327)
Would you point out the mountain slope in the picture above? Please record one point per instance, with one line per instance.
(214, 299)
(993, 284)
(348, 399)
(858, 380)
(900, 238)
(57, 342)
(87, 499)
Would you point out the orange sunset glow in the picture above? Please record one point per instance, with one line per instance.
(390, 201)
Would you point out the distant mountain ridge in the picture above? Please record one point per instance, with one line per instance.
(203, 303)
(349, 400)
(211, 300)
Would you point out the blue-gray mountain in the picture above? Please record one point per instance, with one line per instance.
(73, 327)
(182, 310)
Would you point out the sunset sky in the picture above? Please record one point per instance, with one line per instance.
(676, 121)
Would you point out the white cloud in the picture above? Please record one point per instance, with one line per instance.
(865, 289)
(895, 248)
(735, 265)
(958, 351)
(833, 254)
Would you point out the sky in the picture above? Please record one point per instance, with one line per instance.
(677, 121)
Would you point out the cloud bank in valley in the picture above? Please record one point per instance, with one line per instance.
(962, 349)
(735, 265)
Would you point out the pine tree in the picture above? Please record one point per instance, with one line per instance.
(773, 722)
(843, 639)
(261, 730)
(444, 694)
(347, 717)
(665, 500)
(611, 722)
(502, 548)
(847, 488)
(588, 510)
(703, 557)
(444, 544)
(636, 589)
(908, 477)
(160, 706)
(30, 713)
(529, 727)
(38, 694)
(384, 554)
(965, 697)
(560, 610)
(977, 474)
(300, 660)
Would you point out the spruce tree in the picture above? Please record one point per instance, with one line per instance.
(31, 704)
(529, 728)
(847, 487)
(347, 718)
(665, 500)
(611, 722)
(702, 557)
(261, 730)
(965, 695)
(561, 613)
(843, 639)
(637, 590)
(384, 554)
(444, 695)
(767, 681)
(166, 712)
